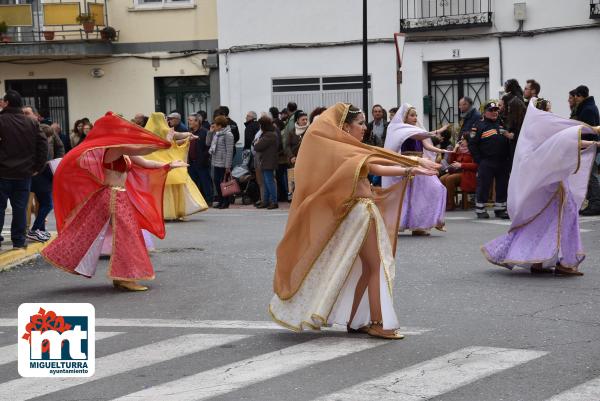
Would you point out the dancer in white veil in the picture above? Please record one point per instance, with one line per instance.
(424, 204)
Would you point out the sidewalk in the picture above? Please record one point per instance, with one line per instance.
(10, 257)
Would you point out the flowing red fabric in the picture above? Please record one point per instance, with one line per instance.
(80, 173)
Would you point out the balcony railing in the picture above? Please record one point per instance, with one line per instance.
(55, 20)
(595, 9)
(428, 15)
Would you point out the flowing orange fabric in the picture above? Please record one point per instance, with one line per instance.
(80, 173)
(327, 171)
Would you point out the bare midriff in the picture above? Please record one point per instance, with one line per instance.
(114, 178)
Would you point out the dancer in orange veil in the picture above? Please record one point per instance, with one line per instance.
(104, 186)
(335, 264)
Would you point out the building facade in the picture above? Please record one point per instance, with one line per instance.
(309, 52)
(272, 52)
(455, 48)
(157, 57)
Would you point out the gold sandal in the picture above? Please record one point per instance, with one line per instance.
(567, 271)
(129, 285)
(376, 330)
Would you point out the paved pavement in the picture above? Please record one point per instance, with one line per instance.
(474, 331)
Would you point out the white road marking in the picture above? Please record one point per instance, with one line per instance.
(8, 353)
(457, 218)
(208, 324)
(120, 362)
(437, 376)
(237, 375)
(587, 391)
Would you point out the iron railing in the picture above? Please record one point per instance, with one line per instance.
(595, 9)
(44, 21)
(428, 15)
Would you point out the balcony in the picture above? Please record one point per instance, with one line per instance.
(595, 9)
(53, 28)
(431, 15)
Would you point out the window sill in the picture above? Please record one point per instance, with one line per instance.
(161, 8)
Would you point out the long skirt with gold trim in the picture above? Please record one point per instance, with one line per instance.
(551, 237)
(327, 293)
(108, 213)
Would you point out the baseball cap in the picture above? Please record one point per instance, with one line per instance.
(174, 115)
(491, 106)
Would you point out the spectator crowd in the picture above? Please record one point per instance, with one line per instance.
(476, 154)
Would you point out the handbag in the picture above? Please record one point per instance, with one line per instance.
(229, 186)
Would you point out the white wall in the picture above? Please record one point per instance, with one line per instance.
(243, 22)
(541, 14)
(246, 77)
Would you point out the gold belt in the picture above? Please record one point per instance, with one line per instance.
(117, 188)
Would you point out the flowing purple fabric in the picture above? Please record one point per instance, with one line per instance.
(546, 188)
(424, 204)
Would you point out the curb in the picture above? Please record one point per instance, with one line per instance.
(13, 257)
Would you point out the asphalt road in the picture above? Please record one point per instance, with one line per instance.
(476, 331)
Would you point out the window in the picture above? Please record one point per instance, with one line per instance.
(312, 92)
(162, 3)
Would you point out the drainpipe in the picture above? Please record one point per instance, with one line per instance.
(501, 61)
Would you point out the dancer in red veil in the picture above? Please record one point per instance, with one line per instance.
(104, 186)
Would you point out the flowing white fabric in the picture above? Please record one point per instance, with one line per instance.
(548, 152)
(398, 131)
(327, 293)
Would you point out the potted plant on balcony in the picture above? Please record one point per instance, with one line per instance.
(48, 35)
(88, 22)
(3, 29)
(108, 33)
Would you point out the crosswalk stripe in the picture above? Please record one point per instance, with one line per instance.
(437, 376)
(587, 391)
(8, 353)
(120, 362)
(208, 324)
(240, 374)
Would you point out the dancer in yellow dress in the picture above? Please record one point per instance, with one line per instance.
(182, 197)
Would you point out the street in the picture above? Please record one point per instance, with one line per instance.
(474, 331)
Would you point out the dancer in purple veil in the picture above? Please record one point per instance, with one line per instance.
(424, 204)
(546, 188)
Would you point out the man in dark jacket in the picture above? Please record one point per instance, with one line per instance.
(376, 129)
(252, 127)
(23, 153)
(199, 158)
(469, 116)
(587, 112)
(490, 147)
(174, 121)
